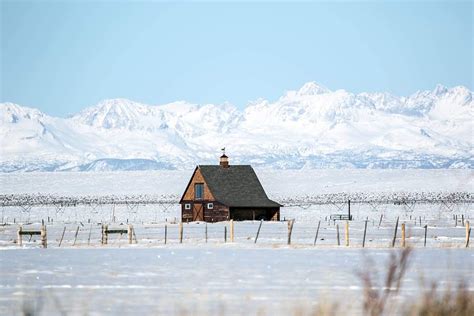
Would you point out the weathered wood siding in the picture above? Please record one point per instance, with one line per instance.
(186, 215)
(218, 213)
(198, 178)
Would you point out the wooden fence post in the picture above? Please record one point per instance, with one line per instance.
(347, 233)
(317, 232)
(62, 236)
(105, 234)
(258, 231)
(89, 238)
(130, 234)
(166, 233)
(426, 231)
(134, 235)
(338, 240)
(75, 236)
(44, 236)
(20, 236)
(365, 231)
(395, 233)
(468, 233)
(403, 235)
(290, 230)
(180, 232)
(231, 230)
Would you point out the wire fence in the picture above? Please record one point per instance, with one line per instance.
(330, 233)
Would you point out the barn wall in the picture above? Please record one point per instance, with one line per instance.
(186, 215)
(248, 213)
(218, 213)
(198, 178)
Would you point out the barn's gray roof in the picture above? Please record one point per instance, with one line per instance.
(236, 186)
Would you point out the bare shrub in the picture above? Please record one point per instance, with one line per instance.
(451, 302)
(375, 296)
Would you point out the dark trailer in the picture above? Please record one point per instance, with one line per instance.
(222, 192)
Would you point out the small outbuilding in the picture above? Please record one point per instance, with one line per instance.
(222, 192)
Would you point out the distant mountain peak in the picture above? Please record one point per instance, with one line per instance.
(312, 88)
(440, 89)
(311, 126)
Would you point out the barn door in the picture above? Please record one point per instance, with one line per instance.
(198, 212)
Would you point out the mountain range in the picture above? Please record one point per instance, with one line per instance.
(312, 127)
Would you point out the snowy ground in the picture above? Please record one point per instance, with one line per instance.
(208, 280)
(277, 183)
(218, 277)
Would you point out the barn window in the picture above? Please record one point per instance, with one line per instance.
(210, 206)
(187, 206)
(198, 191)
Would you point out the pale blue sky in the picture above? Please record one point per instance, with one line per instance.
(63, 56)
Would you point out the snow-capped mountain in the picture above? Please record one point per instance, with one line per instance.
(312, 127)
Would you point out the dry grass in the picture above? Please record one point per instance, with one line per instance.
(448, 302)
(376, 297)
(433, 302)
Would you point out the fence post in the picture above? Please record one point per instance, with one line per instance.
(468, 233)
(89, 238)
(317, 232)
(258, 231)
(62, 236)
(130, 234)
(338, 240)
(75, 236)
(365, 231)
(180, 232)
(395, 233)
(403, 235)
(20, 236)
(380, 221)
(166, 233)
(231, 230)
(426, 231)
(44, 237)
(225, 233)
(347, 233)
(290, 229)
(105, 233)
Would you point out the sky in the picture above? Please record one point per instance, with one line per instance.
(61, 57)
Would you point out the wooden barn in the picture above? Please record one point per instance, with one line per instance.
(222, 192)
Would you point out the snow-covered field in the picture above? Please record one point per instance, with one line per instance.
(277, 183)
(218, 277)
(208, 280)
